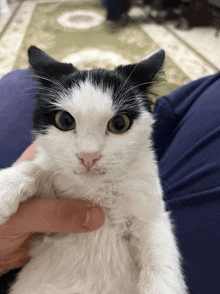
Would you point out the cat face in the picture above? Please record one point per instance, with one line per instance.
(92, 123)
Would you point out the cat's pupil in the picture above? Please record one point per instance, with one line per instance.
(66, 119)
(118, 123)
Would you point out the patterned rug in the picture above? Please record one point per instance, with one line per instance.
(77, 32)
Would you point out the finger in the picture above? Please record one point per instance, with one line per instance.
(14, 251)
(55, 215)
(16, 263)
(29, 153)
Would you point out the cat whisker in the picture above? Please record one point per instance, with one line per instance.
(132, 103)
(138, 99)
(52, 94)
(51, 80)
(122, 86)
(47, 91)
(164, 106)
(134, 87)
(44, 170)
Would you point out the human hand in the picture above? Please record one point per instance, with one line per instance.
(43, 215)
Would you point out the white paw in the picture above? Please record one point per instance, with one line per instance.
(13, 189)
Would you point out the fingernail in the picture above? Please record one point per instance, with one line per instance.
(95, 218)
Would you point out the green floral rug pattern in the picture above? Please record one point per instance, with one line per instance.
(78, 33)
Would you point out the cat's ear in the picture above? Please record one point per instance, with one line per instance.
(143, 72)
(44, 64)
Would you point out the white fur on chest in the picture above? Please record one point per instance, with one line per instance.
(99, 262)
(92, 263)
(134, 252)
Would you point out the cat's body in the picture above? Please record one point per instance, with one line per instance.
(109, 162)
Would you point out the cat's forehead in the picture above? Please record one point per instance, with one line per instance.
(90, 98)
(99, 91)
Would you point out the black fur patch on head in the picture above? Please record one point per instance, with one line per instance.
(49, 93)
(124, 94)
(127, 98)
(128, 85)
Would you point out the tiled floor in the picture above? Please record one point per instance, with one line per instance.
(196, 52)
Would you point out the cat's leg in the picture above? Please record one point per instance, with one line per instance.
(17, 184)
(158, 258)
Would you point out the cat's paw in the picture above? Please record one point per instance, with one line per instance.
(13, 189)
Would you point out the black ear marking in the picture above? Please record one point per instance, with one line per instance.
(153, 62)
(44, 64)
(143, 72)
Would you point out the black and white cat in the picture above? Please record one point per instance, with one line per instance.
(93, 130)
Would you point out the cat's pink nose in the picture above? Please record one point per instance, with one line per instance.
(89, 159)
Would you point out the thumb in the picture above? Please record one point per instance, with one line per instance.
(57, 216)
(29, 153)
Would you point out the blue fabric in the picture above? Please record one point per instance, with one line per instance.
(187, 140)
(16, 104)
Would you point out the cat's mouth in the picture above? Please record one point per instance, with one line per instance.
(90, 171)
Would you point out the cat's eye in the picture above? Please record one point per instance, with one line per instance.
(119, 123)
(65, 121)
